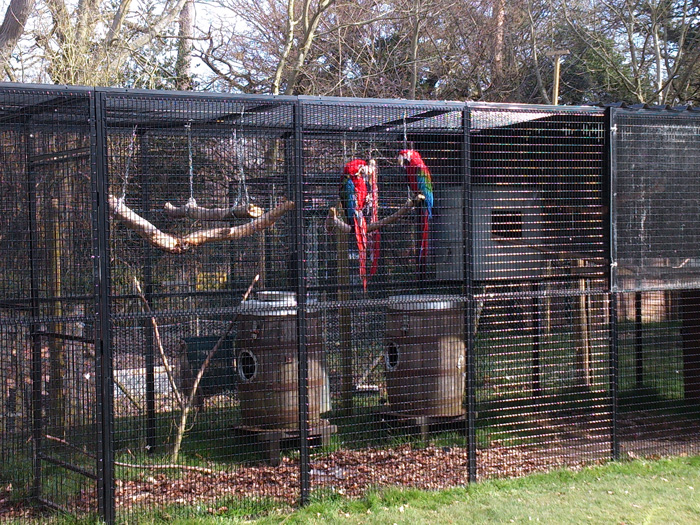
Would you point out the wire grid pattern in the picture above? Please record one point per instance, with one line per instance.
(541, 323)
(395, 352)
(657, 253)
(47, 372)
(657, 214)
(315, 384)
(177, 311)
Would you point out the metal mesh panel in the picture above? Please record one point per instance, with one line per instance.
(359, 358)
(656, 245)
(395, 347)
(540, 266)
(656, 199)
(659, 373)
(201, 170)
(47, 376)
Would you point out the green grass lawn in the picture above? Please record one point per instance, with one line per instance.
(665, 491)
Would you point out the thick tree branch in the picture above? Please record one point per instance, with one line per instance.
(173, 244)
(12, 26)
(192, 211)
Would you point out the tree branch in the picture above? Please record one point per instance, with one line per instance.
(192, 211)
(173, 244)
(159, 343)
(12, 26)
(194, 468)
(335, 223)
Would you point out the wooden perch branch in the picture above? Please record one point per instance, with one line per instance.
(141, 226)
(192, 211)
(238, 232)
(173, 244)
(335, 223)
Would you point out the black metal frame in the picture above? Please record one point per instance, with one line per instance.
(373, 117)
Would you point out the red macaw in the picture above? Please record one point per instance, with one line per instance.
(419, 181)
(353, 195)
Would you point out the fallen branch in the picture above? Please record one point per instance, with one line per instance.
(335, 223)
(192, 211)
(173, 244)
(169, 466)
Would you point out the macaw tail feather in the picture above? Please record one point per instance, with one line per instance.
(361, 238)
(374, 247)
(424, 227)
(375, 236)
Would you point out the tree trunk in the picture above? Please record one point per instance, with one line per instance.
(12, 27)
(183, 65)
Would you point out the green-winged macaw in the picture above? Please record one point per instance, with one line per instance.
(353, 195)
(419, 181)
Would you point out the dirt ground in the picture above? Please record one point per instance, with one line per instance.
(352, 472)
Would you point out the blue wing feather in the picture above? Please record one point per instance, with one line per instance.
(350, 197)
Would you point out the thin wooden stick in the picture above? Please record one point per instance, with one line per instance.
(193, 392)
(159, 343)
(127, 394)
(169, 466)
(245, 211)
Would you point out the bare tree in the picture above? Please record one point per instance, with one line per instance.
(268, 47)
(183, 65)
(92, 41)
(12, 27)
(645, 43)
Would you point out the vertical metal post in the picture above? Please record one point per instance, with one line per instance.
(557, 54)
(147, 326)
(610, 189)
(468, 292)
(638, 342)
(103, 353)
(300, 277)
(536, 341)
(34, 260)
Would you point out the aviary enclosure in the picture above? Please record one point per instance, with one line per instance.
(211, 297)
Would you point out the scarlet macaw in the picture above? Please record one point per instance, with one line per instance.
(419, 181)
(353, 195)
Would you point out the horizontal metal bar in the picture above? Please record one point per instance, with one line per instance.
(68, 466)
(65, 337)
(61, 156)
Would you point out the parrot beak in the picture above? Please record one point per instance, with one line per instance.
(404, 159)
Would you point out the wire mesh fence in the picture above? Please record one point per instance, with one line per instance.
(206, 299)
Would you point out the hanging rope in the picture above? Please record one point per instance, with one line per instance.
(242, 196)
(188, 127)
(129, 156)
(405, 132)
